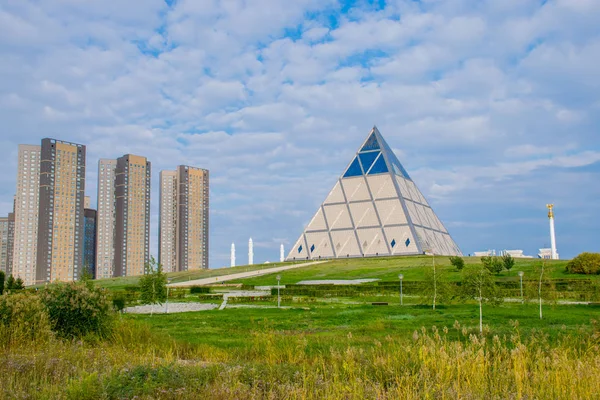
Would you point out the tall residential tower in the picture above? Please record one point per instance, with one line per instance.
(184, 218)
(61, 220)
(4, 244)
(167, 223)
(132, 215)
(105, 219)
(26, 214)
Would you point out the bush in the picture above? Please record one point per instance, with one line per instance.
(177, 293)
(458, 262)
(153, 284)
(508, 261)
(23, 320)
(585, 263)
(119, 301)
(199, 290)
(76, 309)
(492, 264)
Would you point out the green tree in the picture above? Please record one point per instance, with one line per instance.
(19, 284)
(585, 263)
(153, 285)
(478, 284)
(492, 264)
(10, 283)
(508, 261)
(87, 278)
(2, 279)
(436, 289)
(457, 262)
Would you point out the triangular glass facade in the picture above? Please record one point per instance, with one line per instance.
(375, 209)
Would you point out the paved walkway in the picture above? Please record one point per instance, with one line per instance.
(241, 275)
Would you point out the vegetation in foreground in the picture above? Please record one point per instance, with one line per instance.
(324, 351)
(67, 342)
(445, 362)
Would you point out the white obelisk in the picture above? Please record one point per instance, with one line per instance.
(552, 234)
(281, 256)
(232, 254)
(250, 252)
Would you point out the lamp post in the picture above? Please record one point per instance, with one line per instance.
(167, 302)
(401, 277)
(521, 273)
(278, 297)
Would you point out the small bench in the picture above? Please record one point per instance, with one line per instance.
(379, 303)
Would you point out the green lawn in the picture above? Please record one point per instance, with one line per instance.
(388, 268)
(232, 329)
(382, 268)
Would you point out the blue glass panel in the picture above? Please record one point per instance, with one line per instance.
(379, 167)
(397, 165)
(312, 248)
(366, 159)
(407, 243)
(393, 242)
(300, 249)
(371, 144)
(353, 169)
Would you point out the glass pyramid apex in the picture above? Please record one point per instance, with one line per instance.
(376, 157)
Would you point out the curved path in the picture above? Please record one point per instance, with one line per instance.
(241, 275)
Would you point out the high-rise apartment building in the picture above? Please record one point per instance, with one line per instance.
(184, 218)
(89, 241)
(61, 218)
(3, 244)
(167, 223)
(10, 243)
(24, 255)
(105, 219)
(132, 215)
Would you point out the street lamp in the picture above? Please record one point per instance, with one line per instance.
(167, 302)
(521, 273)
(278, 297)
(400, 276)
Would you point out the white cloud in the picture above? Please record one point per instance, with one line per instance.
(475, 95)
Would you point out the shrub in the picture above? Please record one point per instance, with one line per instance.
(23, 319)
(76, 309)
(119, 301)
(199, 290)
(493, 264)
(458, 262)
(508, 262)
(585, 263)
(153, 285)
(177, 293)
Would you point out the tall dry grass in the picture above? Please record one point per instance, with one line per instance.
(431, 364)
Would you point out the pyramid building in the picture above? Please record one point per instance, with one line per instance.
(374, 209)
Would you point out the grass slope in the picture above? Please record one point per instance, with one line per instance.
(122, 282)
(413, 268)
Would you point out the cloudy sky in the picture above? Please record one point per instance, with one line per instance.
(492, 106)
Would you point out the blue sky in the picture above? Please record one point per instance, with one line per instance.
(492, 106)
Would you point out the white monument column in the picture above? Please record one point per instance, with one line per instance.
(250, 252)
(232, 255)
(552, 234)
(281, 256)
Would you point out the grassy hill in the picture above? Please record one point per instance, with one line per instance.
(385, 269)
(174, 277)
(413, 268)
